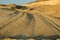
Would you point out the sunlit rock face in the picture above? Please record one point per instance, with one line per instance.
(34, 19)
(41, 0)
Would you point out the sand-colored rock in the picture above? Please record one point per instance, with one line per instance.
(39, 18)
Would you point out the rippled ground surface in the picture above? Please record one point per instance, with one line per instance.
(17, 24)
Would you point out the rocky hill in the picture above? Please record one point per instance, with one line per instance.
(39, 18)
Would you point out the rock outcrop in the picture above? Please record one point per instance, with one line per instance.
(30, 20)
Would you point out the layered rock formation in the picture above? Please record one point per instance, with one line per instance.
(34, 19)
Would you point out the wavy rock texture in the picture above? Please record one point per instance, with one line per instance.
(34, 19)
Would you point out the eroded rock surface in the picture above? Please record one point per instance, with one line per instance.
(30, 20)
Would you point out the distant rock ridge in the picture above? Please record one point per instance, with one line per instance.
(13, 6)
